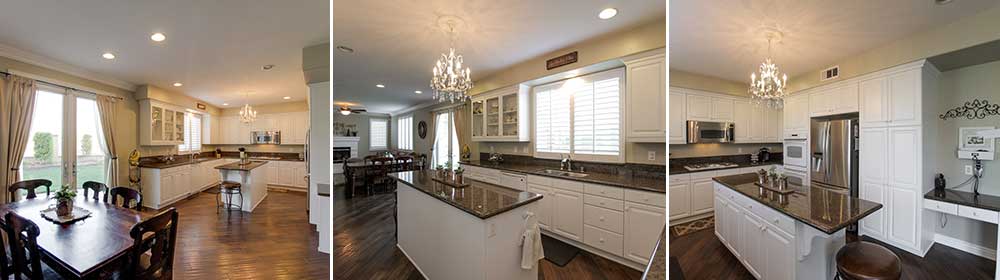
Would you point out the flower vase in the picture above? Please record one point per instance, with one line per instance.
(64, 207)
(459, 179)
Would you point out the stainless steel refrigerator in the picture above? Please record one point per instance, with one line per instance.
(834, 146)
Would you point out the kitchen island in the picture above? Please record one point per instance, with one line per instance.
(472, 232)
(254, 182)
(791, 236)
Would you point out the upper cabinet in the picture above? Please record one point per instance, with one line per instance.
(162, 123)
(677, 120)
(292, 125)
(892, 100)
(756, 123)
(646, 100)
(710, 108)
(501, 115)
(833, 101)
(796, 116)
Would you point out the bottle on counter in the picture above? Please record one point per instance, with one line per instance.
(243, 155)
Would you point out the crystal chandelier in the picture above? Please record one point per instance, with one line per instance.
(769, 89)
(451, 81)
(247, 113)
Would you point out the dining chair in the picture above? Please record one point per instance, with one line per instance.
(22, 242)
(379, 173)
(405, 163)
(29, 186)
(153, 242)
(97, 187)
(127, 195)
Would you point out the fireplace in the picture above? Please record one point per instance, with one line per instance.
(340, 155)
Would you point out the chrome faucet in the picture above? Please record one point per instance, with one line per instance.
(566, 163)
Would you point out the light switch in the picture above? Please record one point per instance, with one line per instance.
(968, 170)
(651, 155)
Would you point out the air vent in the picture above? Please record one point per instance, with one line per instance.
(830, 73)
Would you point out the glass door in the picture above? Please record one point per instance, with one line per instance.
(91, 155)
(477, 118)
(445, 140)
(510, 115)
(493, 116)
(43, 158)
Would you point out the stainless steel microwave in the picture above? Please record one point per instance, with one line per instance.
(267, 137)
(710, 132)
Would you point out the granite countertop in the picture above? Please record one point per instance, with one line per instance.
(821, 208)
(657, 267)
(183, 160)
(618, 180)
(980, 201)
(483, 200)
(677, 169)
(242, 167)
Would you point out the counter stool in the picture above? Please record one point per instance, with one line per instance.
(864, 260)
(229, 188)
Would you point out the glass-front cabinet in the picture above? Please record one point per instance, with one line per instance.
(162, 124)
(501, 115)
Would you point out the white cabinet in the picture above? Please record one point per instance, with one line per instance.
(767, 250)
(743, 112)
(702, 195)
(286, 173)
(752, 230)
(838, 99)
(874, 224)
(680, 198)
(643, 224)
(874, 95)
(796, 117)
(780, 251)
(773, 126)
(905, 147)
(502, 115)
(292, 125)
(678, 119)
(646, 99)
(568, 216)
(545, 206)
(756, 123)
(160, 124)
(903, 227)
(893, 100)
(722, 109)
(699, 108)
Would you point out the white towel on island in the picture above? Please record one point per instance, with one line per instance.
(531, 242)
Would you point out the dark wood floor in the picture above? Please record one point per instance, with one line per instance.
(702, 256)
(364, 247)
(276, 241)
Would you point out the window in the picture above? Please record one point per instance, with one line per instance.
(379, 129)
(192, 134)
(404, 133)
(580, 117)
(445, 140)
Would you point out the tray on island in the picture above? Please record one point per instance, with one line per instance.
(773, 189)
(77, 214)
(452, 184)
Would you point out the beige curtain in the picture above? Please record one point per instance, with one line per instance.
(106, 109)
(17, 101)
(431, 130)
(462, 129)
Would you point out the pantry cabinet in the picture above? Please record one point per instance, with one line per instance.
(502, 115)
(841, 98)
(796, 117)
(891, 100)
(646, 99)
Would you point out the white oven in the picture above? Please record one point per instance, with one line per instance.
(796, 175)
(796, 153)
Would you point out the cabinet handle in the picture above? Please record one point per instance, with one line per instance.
(775, 221)
(602, 239)
(602, 218)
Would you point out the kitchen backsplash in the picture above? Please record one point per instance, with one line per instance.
(636, 169)
(776, 157)
(715, 149)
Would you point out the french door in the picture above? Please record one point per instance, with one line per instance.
(445, 139)
(65, 144)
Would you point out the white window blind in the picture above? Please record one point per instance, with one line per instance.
(379, 128)
(580, 117)
(192, 134)
(404, 133)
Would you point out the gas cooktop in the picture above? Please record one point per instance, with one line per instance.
(709, 166)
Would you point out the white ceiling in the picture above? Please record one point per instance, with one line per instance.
(215, 48)
(723, 38)
(397, 42)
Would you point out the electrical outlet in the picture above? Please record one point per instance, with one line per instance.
(651, 155)
(739, 150)
(968, 170)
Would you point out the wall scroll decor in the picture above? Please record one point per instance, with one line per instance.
(975, 109)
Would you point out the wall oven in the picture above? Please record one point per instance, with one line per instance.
(796, 153)
(709, 132)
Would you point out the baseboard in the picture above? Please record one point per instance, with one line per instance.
(286, 188)
(965, 246)
(599, 252)
(412, 262)
(674, 222)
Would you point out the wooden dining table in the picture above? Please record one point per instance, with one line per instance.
(86, 248)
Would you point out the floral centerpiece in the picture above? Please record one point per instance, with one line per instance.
(459, 179)
(64, 200)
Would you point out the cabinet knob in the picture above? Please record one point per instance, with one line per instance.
(775, 221)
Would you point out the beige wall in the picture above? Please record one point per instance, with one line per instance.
(690, 80)
(175, 98)
(316, 63)
(969, 31)
(287, 107)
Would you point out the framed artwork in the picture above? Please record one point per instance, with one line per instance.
(970, 140)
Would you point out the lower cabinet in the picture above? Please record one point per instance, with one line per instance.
(286, 173)
(764, 248)
(545, 207)
(163, 186)
(643, 224)
(752, 229)
(568, 216)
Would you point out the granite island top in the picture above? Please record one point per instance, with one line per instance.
(980, 201)
(619, 180)
(677, 169)
(242, 167)
(823, 209)
(481, 199)
(184, 161)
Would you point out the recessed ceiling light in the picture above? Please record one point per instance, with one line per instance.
(158, 37)
(286, 97)
(108, 55)
(178, 84)
(225, 104)
(380, 85)
(418, 92)
(345, 49)
(608, 13)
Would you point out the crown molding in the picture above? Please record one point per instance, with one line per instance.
(47, 62)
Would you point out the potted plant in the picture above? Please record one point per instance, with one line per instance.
(459, 179)
(440, 171)
(64, 200)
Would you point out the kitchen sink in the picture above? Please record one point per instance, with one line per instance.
(564, 173)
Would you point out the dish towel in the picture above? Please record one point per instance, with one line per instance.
(531, 242)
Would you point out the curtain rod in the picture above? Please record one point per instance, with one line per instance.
(66, 87)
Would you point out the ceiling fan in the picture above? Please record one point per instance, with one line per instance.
(347, 111)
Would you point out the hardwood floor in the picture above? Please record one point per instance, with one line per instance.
(364, 247)
(702, 256)
(276, 241)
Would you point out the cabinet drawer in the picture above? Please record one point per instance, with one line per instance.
(605, 191)
(729, 172)
(978, 214)
(603, 240)
(703, 175)
(567, 185)
(606, 219)
(775, 218)
(943, 207)
(682, 178)
(649, 198)
(610, 203)
(540, 180)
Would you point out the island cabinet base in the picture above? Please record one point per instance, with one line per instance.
(254, 187)
(444, 242)
(772, 245)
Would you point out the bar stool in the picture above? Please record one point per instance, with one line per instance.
(864, 260)
(229, 188)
